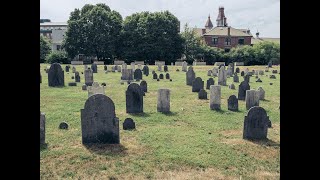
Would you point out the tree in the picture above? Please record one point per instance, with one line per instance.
(192, 44)
(94, 31)
(45, 48)
(151, 36)
(266, 51)
(57, 57)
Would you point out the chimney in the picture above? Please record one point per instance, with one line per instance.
(221, 19)
(229, 31)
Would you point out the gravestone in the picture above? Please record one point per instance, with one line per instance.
(243, 87)
(202, 94)
(42, 129)
(237, 70)
(197, 84)
(184, 66)
(67, 68)
(252, 98)
(270, 64)
(55, 75)
(233, 103)
(144, 86)
(94, 68)
(229, 70)
(231, 86)
(96, 89)
(155, 76)
(235, 78)
(103, 84)
(163, 104)
(105, 67)
(128, 124)
(209, 73)
(261, 93)
(127, 74)
(88, 77)
(139, 66)
(256, 124)
(153, 71)
(246, 71)
(272, 76)
(137, 74)
(160, 67)
(72, 84)
(274, 71)
(99, 123)
(77, 76)
(113, 69)
(242, 73)
(134, 99)
(190, 77)
(74, 69)
(220, 66)
(84, 87)
(167, 76)
(160, 76)
(210, 82)
(63, 125)
(133, 66)
(124, 66)
(261, 72)
(222, 77)
(118, 68)
(190, 67)
(258, 80)
(215, 72)
(215, 97)
(158, 79)
(146, 70)
(267, 69)
(165, 68)
(85, 67)
(246, 78)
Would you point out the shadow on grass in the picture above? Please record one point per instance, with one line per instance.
(169, 113)
(220, 111)
(43, 147)
(265, 100)
(143, 114)
(266, 142)
(107, 149)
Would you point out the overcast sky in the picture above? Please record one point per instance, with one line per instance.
(261, 15)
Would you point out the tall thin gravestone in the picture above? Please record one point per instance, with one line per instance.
(55, 75)
(42, 128)
(190, 76)
(197, 84)
(137, 74)
(256, 124)
(210, 82)
(77, 76)
(163, 104)
(252, 98)
(215, 97)
(88, 77)
(94, 68)
(243, 87)
(134, 99)
(144, 86)
(222, 77)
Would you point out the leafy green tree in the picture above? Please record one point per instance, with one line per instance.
(192, 45)
(94, 31)
(266, 51)
(57, 57)
(45, 48)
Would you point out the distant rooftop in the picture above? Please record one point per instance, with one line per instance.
(54, 24)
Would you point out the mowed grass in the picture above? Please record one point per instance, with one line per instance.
(192, 142)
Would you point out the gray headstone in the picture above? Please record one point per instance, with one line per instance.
(197, 84)
(256, 124)
(124, 66)
(74, 69)
(165, 68)
(246, 78)
(163, 104)
(144, 86)
(232, 86)
(129, 124)
(55, 75)
(270, 64)
(210, 82)
(190, 77)
(243, 87)
(209, 73)
(167, 76)
(145, 70)
(222, 77)
(134, 99)
(215, 97)
(202, 94)
(63, 125)
(88, 77)
(84, 87)
(99, 123)
(237, 70)
(235, 78)
(159, 67)
(72, 84)
(42, 128)
(233, 103)
(242, 73)
(67, 68)
(258, 80)
(96, 89)
(184, 66)
(272, 76)
(155, 76)
(160, 76)
(105, 67)
(137, 74)
(77, 76)
(127, 74)
(252, 98)
(261, 93)
(94, 68)
(261, 72)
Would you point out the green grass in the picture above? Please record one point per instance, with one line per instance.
(193, 142)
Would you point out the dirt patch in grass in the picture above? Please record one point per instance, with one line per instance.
(262, 175)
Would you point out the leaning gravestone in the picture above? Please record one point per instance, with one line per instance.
(155, 76)
(252, 98)
(165, 68)
(77, 76)
(243, 87)
(55, 75)
(160, 76)
(210, 82)
(235, 78)
(94, 68)
(96, 89)
(134, 99)
(256, 124)
(197, 84)
(215, 97)
(190, 76)
(233, 103)
(128, 124)
(202, 94)
(88, 77)
(137, 74)
(99, 123)
(163, 104)
(42, 128)
(261, 93)
(144, 86)
(222, 77)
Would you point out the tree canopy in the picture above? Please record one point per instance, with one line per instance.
(45, 48)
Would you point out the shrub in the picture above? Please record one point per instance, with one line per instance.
(57, 57)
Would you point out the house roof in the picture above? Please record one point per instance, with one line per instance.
(208, 23)
(223, 31)
(261, 39)
(198, 31)
(54, 24)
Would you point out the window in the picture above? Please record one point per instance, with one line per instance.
(241, 41)
(227, 41)
(215, 40)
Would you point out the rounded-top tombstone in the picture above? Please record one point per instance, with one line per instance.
(144, 86)
(55, 75)
(129, 124)
(134, 99)
(256, 124)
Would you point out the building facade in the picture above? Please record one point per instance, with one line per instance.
(54, 31)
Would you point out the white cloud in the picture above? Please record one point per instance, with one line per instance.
(262, 15)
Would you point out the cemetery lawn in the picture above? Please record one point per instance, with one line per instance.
(192, 142)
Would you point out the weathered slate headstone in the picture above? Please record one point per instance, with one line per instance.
(74, 69)
(209, 73)
(99, 123)
(160, 67)
(237, 70)
(63, 125)
(105, 67)
(270, 64)
(233, 103)
(261, 93)
(67, 68)
(146, 70)
(246, 78)
(72, 84)
(88, 77)
(137, 74)
(165, 68)
(197, 84)
(94, 68)
(42, 128)
(215, 97)
(272, 76)
(118, 68)
(133, 65)
(144, 86)
(202, 94)
(231, 86)
(184, 66)
(252, 98)
(128, 124)
(222, 77)
(127, 74)
(256, 124)
(160, 76)
(210, 82)
(243, 87)
(77, 76)
(215, 72)
(242, 73)
(96, 89)
(190, 77)
(55, 75)
(274, 71)
(167, 76)
(84, 87)
(155, 76)
(134, 99)
(235, 78)
(163, 104)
